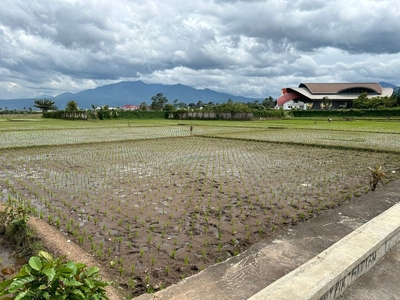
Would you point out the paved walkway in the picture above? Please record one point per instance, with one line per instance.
(247, 274)
(382, 282)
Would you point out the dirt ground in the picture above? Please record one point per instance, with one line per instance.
(348, 217)
(152, 218)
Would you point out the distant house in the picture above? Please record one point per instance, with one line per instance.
(329, 95)
(130, 107)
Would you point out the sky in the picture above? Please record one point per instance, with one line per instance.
(251, 48)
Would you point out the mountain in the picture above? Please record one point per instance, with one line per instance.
(130, 92)
(387, 84)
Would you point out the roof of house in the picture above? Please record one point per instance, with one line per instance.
(333, 91)
(335, 88)
(287, 97)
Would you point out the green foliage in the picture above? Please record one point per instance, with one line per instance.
(232, 107)
(158, 102)
(53, 114)
(72, 106)
(347, 113)
(270, 113)
(13, 224)
(102, 112)
(47, 278)
(140, 114)
(143, 106)
(45, 104)
(364, 102)
(268, 102)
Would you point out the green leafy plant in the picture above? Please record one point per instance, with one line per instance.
(45, 277)
(376, 176)
(13, 224)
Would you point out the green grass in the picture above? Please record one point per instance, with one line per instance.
(372, 134)
(37, 123)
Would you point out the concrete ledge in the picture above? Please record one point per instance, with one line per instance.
(327, 275)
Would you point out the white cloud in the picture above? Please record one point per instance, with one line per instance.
(249, 48)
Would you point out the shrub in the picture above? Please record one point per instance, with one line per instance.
(13, 224)
(47, 278)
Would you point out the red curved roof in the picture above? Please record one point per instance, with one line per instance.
(287, 97)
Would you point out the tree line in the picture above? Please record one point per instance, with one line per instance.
(363, 102)
(160, 103)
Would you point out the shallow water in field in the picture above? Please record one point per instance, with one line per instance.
(8, 259)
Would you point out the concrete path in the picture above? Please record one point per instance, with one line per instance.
(382, 282)
(244, 276)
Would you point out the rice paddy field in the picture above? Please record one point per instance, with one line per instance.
(155, 204)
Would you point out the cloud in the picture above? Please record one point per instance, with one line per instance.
(249, 48)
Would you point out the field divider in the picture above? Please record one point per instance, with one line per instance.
(337, 147)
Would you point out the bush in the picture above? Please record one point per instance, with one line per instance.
(13, 224)
(47, 278)
(389, 112)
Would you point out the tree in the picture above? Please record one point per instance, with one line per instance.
(232, 107)
(268, 102)
(143, 106)
(182, 105)
(200, 104)
(45, 104)
(361, 101)
(256, 105)
(364, 102)
(169, 107)
(72, 106)
(159, 101)
(175, 103)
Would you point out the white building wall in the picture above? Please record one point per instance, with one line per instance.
(294, 105)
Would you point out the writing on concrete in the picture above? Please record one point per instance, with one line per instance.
(337, 289)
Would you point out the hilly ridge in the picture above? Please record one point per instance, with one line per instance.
(129, 92)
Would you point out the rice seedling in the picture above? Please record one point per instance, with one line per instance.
(199, 190)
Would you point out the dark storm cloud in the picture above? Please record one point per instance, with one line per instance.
(251, 48)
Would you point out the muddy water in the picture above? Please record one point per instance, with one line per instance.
(8, 259)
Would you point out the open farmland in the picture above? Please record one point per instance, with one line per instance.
(155, 205)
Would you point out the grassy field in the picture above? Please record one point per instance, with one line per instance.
(155, 204)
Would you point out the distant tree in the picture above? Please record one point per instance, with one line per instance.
(72, 106)
(45, 104)
(103, 112)
(268, 102)
(175, 103)
(143, 106)
(361, 101)
(200, 104)
(182, 105)
(169, 107)
(256, 105)
(232, 107)
(158, 102)
(364, 102)
(396, 96)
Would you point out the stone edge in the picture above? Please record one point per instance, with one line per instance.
(326, 276)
